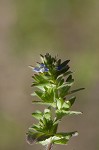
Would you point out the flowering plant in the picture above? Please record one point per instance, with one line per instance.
(53, 81)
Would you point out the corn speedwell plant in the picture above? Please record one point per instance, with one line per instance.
(53, 81)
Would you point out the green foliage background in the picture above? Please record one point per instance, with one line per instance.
(67, 28)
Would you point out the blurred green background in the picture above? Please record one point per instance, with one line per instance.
(64, 27)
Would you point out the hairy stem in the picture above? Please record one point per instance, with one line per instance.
(49, 146)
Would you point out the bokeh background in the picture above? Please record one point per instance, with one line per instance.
(67, 28)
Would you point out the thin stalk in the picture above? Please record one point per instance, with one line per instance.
(49, 146)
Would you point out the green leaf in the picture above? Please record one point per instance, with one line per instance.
(36, 137)
(64, 64)
(58, 62)
(41, 80)
(65, 135)
(44, 103)
(66, 84)
(45, 142)
(68, 103)
(62, 113)
(48, 95)
(44, 138)
(61, 141)
(63, 138)
(47, 111)
(47, 114)
(66, 106)
(61, 81)
(64, 91)
(37, 77)
(65, 69)
(67, 73)
(31, 138)
(73, 113)
(64, 74)
(45, 77)
(42, 122)
(71, 101)
(42, 58)
(38, 115)
(69, 78)
(59, 103)
(35, 127)
(39, 94)
(34, 77)
(71, 92)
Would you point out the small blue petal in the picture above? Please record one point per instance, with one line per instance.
(36, 69)
(42, 65)
(40, 69)
(46, 69)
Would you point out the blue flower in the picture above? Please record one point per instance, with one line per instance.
(59, 68)
(42, 68)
